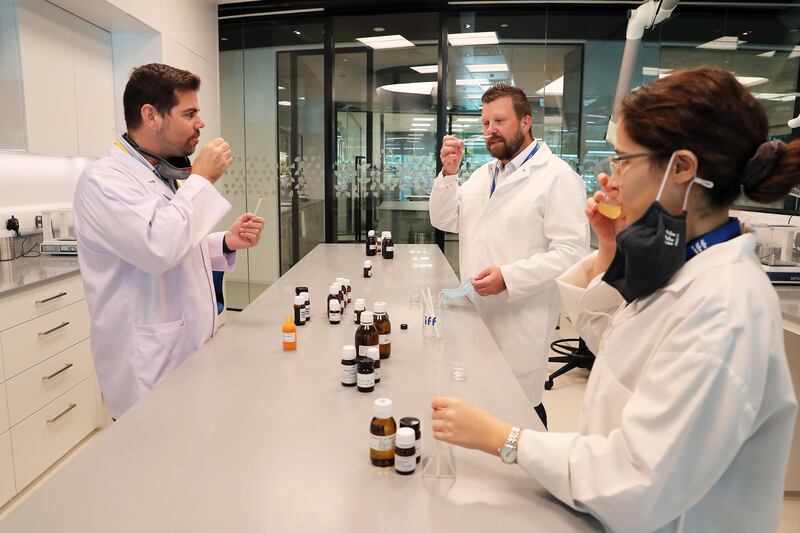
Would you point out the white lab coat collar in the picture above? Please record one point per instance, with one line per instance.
(140, 167)
(542, 156)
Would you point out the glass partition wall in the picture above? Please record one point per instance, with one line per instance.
(336, 116)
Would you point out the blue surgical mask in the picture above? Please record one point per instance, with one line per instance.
(466, 289)
(651, 250)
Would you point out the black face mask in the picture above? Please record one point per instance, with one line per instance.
(651, 250)
(172, 168)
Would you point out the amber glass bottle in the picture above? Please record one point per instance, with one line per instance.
(382, 430)
(366, 334)
(384, 327)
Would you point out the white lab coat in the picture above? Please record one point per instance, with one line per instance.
(534, 228)
(146, 258)
(689, 410)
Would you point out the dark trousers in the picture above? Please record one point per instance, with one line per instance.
(542, 413)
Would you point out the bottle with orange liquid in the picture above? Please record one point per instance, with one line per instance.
(289, 335)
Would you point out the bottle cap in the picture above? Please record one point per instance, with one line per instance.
(338, 285)
(405, 437)
(299, 300)
(371, 233)
(333, 290)
(373, 353)
(367, 264)
(360, 304)
(348, 352)
(340, 281)
(403, 326)
(366, 318)
(382, 408)
(413, 423)
(300, 290)
(379, 307)
(304, 295)
(334, 305)
(365, 365)
(388, 234)
(346, 282)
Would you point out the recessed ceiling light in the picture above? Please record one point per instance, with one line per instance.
(424, 119)
(385, 41)
(472, 39)
(296, 32)
(284, 103)
(419, 87)
(554, 88)
(468, 119)
(378, 29)
(426, 69)
(472, 81)
(768, 54)
(416, 129)
(504, 25)
(728, 42)
(488, 67)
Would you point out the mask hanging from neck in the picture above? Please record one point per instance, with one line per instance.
(170, 169)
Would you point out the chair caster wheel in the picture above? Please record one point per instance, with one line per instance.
(548, 384)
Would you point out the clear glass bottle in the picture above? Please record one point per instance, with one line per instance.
(366, 334)
(382, 430)
(384, 327)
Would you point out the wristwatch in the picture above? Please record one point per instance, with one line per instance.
(508, 453)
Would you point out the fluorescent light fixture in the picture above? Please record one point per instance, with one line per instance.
(795, 52)
(771, 53)
(472, 39)
(385, 41)
(475, 96)
(296, 32)
(488, 67)
(728, 42)
(417, 129)
(777, 97)
(424, 119)
(554, 88)
(281, 88)
(285, 103)
(751, 81)
(426, 69)
(472, 81)
(468, 119)
(654, 71)
(589, 141)
(417, 87)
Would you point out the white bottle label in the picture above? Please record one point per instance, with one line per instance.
(334, 316)
(372, 246)
(369, 273)
(362, 350)
(405, 464)
(290, 337)
(349, 374)
(380, 443)
(366, 381)
(304, 314)
(384, 339)
(390, 249)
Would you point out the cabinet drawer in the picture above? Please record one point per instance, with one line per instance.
(4, 420)
(41, 439)
(34, 341)
(7, 485)
(36, 387)
(39, 300)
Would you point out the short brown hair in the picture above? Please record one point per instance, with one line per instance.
(522, 106)
(155, 84)
(706, 110)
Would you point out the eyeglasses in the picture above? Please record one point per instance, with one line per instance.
(614, 164)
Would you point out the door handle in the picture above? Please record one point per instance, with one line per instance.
(49, 331)
(62, 413)
(59, 295)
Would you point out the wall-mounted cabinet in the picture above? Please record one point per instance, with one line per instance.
(12, 112)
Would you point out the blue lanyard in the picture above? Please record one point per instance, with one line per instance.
(497, 168)
(732, 228)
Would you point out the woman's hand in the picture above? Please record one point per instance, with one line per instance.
(457, 422)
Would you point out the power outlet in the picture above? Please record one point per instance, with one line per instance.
(38, 221)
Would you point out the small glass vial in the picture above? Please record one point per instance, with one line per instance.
(384, 327)
(413, 423)
(374, 354)
(382, 430)
(366, 334)
(358, 309)
(405, 452)
(289, 335)
(334, 311)
(372, 243)
(299, 311)
(366, 375)
(367, 268)
(349, 366)
(348, 291)
(307, 300)
(388, 245)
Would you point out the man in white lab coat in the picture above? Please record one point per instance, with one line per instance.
(521, 225)
(145, 246)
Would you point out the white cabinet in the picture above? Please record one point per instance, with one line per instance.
(7, 484)
(12, 115)
(67, 74)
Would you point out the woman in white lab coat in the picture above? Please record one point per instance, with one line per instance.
(689, 410)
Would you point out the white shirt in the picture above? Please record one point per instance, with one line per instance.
(689, 410)
(503, 171)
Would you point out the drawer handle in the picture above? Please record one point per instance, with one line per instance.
(62, 413)
(49, 331)
(59, 295)
(57, 372)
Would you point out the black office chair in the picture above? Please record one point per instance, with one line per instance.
(573, 356)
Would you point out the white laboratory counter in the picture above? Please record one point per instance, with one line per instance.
(245, 437)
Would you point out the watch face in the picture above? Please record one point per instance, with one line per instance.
(508, 453)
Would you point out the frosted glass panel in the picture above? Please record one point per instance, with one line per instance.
(12, 113)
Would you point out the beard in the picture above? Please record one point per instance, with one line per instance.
(172, 148)
(507, 148)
